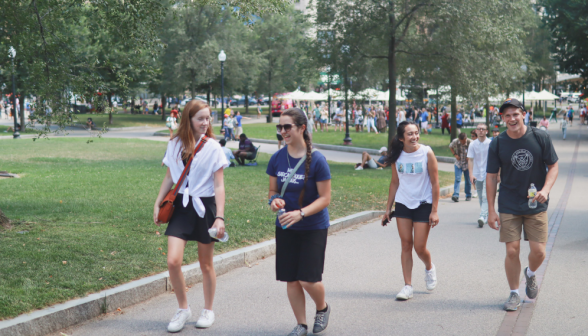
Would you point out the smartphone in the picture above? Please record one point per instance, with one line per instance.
(385, 221)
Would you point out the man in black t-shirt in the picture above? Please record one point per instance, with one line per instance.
(521, 154)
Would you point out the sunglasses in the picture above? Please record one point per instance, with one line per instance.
(481, 129)
(286, 127)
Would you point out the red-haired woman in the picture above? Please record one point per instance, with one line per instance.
(199, 206)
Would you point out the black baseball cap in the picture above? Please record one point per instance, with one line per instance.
(511, 102)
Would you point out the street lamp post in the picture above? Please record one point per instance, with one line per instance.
(524, 68)
(222, 57)
(16, 134)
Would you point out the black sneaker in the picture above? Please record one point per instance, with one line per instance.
(532, 288)
(468, 198)
(321, 320)
(455, 198)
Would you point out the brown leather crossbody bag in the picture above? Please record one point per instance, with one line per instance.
(166, 207)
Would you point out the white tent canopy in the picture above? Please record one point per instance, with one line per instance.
(296, 95)
(546, 95)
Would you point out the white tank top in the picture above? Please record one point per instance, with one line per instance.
(415, 184)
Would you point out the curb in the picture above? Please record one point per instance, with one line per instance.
(60, 316)
(359, 150)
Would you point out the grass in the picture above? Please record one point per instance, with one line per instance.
(4, 128)
(123, 120)
(90, 206)
(438, 142)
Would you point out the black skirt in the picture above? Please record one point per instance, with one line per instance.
(300, 254)
(187, 225)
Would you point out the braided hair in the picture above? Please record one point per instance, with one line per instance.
(299, 119)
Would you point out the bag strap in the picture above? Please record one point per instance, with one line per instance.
(294, 172)
(186, 171)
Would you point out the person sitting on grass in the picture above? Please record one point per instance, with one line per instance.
(246, 150)
(228, 152)
(368, 162)
(90, 124)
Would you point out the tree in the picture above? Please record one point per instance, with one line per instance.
(568, 25)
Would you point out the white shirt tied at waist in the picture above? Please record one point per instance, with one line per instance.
(200, 179)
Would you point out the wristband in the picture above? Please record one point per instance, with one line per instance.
(219, 217)
(273, 198)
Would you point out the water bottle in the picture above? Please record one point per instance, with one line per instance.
(532, 193)
(212, 232)
(281, 212)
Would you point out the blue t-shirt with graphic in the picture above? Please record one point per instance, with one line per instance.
(239, 117)
(319, 171)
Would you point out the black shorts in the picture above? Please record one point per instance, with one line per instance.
(187, 225)
(459, 126)
(571, 117)
(279, 136)
(420, 214)
(300, 254)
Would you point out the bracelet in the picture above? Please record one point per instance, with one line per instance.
(219, 217)
(273, 198)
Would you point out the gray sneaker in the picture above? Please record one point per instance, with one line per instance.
(513, 302)
(321, 321)
(469, 198)
(532, 288)
(455, 198)
(299, 331)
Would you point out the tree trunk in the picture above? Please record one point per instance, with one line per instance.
(109, 95)
(22, 113)
(192, 88)
(488, 114)
(269, 85)
(133, 105)
(453, 112)
(4, 221)
(392, 76)
(246, 103)
(163, 107)
(208, 95)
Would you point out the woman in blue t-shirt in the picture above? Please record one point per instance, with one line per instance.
(301, 232)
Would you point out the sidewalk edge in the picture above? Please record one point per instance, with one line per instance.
(57, 317)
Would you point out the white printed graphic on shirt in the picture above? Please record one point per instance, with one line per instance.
(295, 179)
(410, 167)
(522, 159)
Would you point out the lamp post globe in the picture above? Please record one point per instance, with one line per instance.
(222, 57)
(12, 54)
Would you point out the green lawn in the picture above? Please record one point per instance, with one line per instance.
(438, 142)
(90, 206)
(3, 130)
(123, 120)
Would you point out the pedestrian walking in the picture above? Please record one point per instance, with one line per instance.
(564, 126)
(521, 154)
(259, 110)
(324, 119)
(415, 191)
(229, 124)
(381, 120)
(358, 120)
(571, 115)
(477, 162)
(544, 124)
(300, 185)
(370, 120)
(459, 121)
(445, 123)
(459, 149)
(172, 122)
(199, 206)
(317, 117)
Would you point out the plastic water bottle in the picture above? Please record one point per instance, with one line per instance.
(532, 193)
(280, 213)
(212, 232)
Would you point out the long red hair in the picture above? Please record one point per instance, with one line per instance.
(185, 132)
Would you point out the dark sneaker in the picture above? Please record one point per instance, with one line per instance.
(532, 288)
(513, 302)
(469, 198)
(299, 331)
(321, 320)
(455, 198)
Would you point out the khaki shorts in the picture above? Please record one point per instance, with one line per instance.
(535, 227)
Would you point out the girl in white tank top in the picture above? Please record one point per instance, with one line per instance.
(415, 191)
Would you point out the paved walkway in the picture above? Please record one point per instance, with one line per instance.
(363, 275)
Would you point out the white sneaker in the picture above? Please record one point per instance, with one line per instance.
(206, 319)
(431, 278)
(481, 221)
(178, 321)
(359, 168)
(405, 293)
